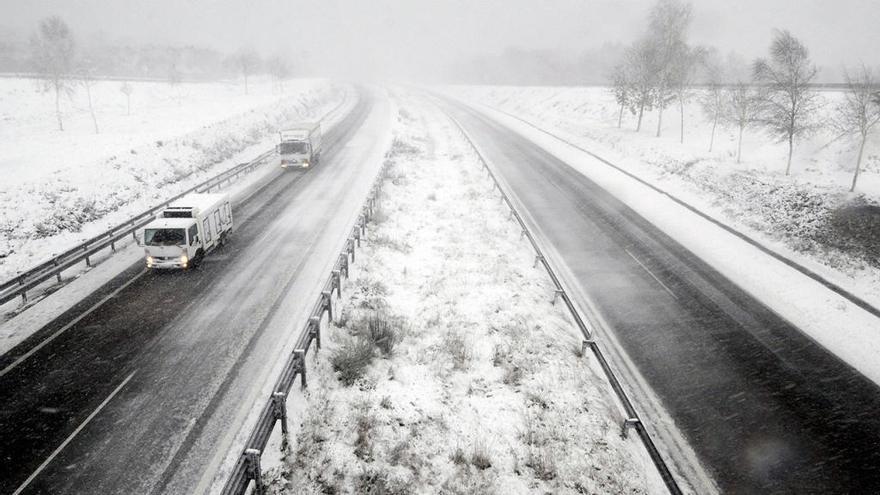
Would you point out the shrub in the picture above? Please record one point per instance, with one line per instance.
(351, 360)
(458, 348)
(381, 332)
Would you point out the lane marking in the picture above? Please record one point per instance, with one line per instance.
(72, 435)
(651, 273)
(66, 327)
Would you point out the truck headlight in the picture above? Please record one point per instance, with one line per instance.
(150, 261)
(305, 163)
(184, 260)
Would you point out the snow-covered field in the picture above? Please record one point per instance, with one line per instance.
(60, 188)
(809, 216)
(449, 369)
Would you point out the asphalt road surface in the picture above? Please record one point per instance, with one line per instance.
(164, 369)
(765, 408)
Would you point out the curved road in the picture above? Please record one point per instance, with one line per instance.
(765, 408)
(171, 362)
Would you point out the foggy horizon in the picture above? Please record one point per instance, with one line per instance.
(425, 41)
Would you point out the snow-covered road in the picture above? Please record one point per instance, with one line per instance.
(148, 387)
(763, 406)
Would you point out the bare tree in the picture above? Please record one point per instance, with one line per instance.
(742, 109)
(247, 62)
(86, 79)
(641, 72)
(52, 52)
(279, 68)
(669, 21)
(127, 89)
(683, 73)
(621, 88)
(712, 101)
(788, 99)
(859, 111)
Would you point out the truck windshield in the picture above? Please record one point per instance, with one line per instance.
(294, 147)
(164, 237)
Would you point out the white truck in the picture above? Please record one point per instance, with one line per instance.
(187, 230)
(300, 146)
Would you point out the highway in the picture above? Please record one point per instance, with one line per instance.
(143, 394)
(765, 409)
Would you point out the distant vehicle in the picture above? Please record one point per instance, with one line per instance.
(300, 146)
(187, 230)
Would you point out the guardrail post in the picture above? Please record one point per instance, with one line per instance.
(344, 259)
(586, 345)
(538, 259)
(337, 281)
(254, 471)
(351, 248)
(627, 424)
(556, 294)
(315, 331)
(522, 234)
(326, 297)
(279, 409)
(58, 274)
(301, 361)
(357, 235)
(113, 246)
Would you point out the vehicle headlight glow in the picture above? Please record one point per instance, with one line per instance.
(184, 260)
(150, 261)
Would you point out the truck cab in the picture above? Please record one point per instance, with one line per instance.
(300, 147)
(187, 230)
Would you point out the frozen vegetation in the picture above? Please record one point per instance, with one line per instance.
(449, 370)
(809, 214)
(61, 187)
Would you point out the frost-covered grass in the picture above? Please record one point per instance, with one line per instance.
(63, 187)
(482, 388)
(810, 213)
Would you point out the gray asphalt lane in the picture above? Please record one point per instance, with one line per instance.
(763, 406)
(196, 342)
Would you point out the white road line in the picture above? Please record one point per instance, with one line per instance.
(72, 435)
(76, 320)
(650, 273)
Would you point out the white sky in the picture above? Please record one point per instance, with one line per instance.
(407, 38)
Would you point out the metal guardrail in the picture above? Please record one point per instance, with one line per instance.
(247, 473)
(20, 284)
(53, 267)
(632, 419)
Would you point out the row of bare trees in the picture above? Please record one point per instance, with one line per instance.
(779, 96)
(55, 57)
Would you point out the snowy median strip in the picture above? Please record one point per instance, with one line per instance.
(450, 368)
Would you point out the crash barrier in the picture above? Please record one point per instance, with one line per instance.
(247, 473)
(632, 419)
(84, 251)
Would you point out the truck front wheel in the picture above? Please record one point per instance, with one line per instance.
(197, 259)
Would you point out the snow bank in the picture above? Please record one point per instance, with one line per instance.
(475, 384)
(809, 216)
(175, 138)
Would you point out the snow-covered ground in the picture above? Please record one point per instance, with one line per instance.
(475, 381)
(60, 188)
(809, 216)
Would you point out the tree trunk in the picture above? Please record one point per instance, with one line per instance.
(620, 116)
(739, 146)
(681, 111)
(641, 113)
(58, 107)
(858, 163)
(712, 136)
(659, 121)
(790, 149)
(91, 108)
